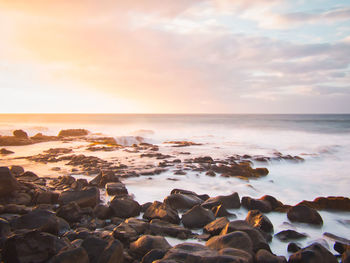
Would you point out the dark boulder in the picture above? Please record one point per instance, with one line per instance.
(228, 202)
(216, 226)
(264, 256)
(84, 198)
(72, 255)
(337, 203)
(117, 189)
(4, 151)
(153, 255)
(146, 243)
(125, 207)
(125, 233)
(8, 184)
(102, 211)
(256, 219)
(31, 246)
(46, 197)
(287, 235)
(94, 247)
(197, 217)
(293, 247)
(182, 201)
(256, 204)
(20, 134)
(112, 253)
(187, 192)
(239, 255)
(220, 211)
(237, 239)
(312, 254)
(304, 214)
(161, 211)
(104, 177)
(163, 228)
(70, 212)
(16, 170)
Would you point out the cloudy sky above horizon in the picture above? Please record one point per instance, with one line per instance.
(166, 56)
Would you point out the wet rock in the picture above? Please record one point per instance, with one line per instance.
(70, 212)
(197, 217)
(304, 214)
(210, 173)
(8, 184)
(125, 233)
(16, 209)
(153, 255)
(163, 228)
(21, 199)
(313, 253)
(259, 242)
(146, 243)
(216, 226)
(195, 253)
(287, 235)
(140, 225)
(20, 134)
(220, 211)
(118, 189)
(237, 239)
(5, 228)
(102, 211)
(125, 207)
(46, 197)
(14, 141)
(337, 203)
(73, 255)
(145, 206)
(256, 219)
(239, 255)
(186, 192)
(104, 177)
(31, 246)
(242, 170)
(42, 220)
(4, 151)
(16, 170)
(274, 203)
(94, 247)
(182, 201)
(256, 204)
(112, 253)
(161, 211)
(73, 132)
(228, 202)
(264, 256)
(293, 247)
(84, 198)
(336, 238)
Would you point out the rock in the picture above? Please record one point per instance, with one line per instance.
(16, 170)
(104, 177)
(21, 199)
(259, 242)
(256, 219)
(195, 253)
(146, 243)
(8, 184)
(102, 211)
(73, 255)
(186, 192)
(264, 256)
(256, 204)
(274, 203)
(313, 253)
(228, 202)
(4, 151)
(118, 189)
(237, 239)
(197, 217)
(153, 255)
(204, 159)
(238, 254)
(161, 211)
(182, 201)
(20, 134)
(84, 198)
(46, 197)
(210, 173)
(139, 225)
(215, 227)
(113, 253)
(220, 211)
(125, 207)
(42, 220)
(164, 228)
(94, 247)
(293, 247)
(70, 212)
(5, 228)
(287, 235)
(337, 203)
(241, 170)
(125, 233)
(31, 246)
(73, 132)
(304, 214)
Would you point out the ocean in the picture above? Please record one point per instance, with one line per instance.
(322, 140)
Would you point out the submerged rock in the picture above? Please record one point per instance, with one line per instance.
(304, 214)
(287, 235)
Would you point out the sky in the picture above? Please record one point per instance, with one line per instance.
(183, 56)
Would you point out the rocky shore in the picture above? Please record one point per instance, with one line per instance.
(64, 219)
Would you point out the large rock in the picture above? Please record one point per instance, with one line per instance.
(187, 192)
(256, 219)
(20, 134)
(153, 255)
(146, 243)
(102, 211)
(74, 255)
(117, 189)
(304, 214)
(84, 198)
(259, 242)
(113, 253)
(104, 177)
(8, 184)
(239, 255)
(163, 228)
(16, 170)
(94, 247)
(337, 203)
(228, 202)
(125, 207)
(197, 217)
(287, 235)
(73, 132)
(161, 211)
(182, 201)
(315, 253)
(256, 204)
(31, 247)
(216, 226)
(264, 256)
(70, 212)
(42, 220)
(237, 239)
